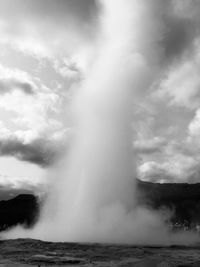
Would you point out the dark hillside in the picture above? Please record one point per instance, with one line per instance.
(183, 199)
(22, 209)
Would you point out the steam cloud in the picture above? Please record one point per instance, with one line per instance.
(93, 197)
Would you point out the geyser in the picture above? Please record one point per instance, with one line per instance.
(92, 198)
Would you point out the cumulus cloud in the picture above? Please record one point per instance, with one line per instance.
(13, 186)
(182, 83)
(34, 104)
(178, 83)
(178, 162)
(30, 134)
(39, 152)
(173, 101)
(179, 168)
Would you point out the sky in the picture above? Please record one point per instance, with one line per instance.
(46, 50)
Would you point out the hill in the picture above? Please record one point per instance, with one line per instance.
(182, 199)
(22, 209)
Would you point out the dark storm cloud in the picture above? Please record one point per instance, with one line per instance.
(39, 152)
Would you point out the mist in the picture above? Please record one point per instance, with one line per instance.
(92, 197)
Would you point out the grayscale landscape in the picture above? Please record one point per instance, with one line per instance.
(100, 133)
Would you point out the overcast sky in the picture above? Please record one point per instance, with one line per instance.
(47, 46)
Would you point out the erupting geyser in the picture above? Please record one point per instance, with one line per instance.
(93, 196)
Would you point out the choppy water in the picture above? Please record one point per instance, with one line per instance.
(29, 252)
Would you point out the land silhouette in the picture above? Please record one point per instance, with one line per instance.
(181, 200)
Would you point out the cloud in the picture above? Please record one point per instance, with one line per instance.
(14, 79)
(181, 23)
(10, 186)
(167, 131)
(178, 162)
(47, 28)
(166, 139)
(68, 69)
(178, 168)
(178, 38)
(192, 144)
(194, 126)
(182, 83)
(36, 107)
(149, 146)
(73, 10)
(6, 85)
(30, 134)
(40, 151)
(64, 39)
(178, 81)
